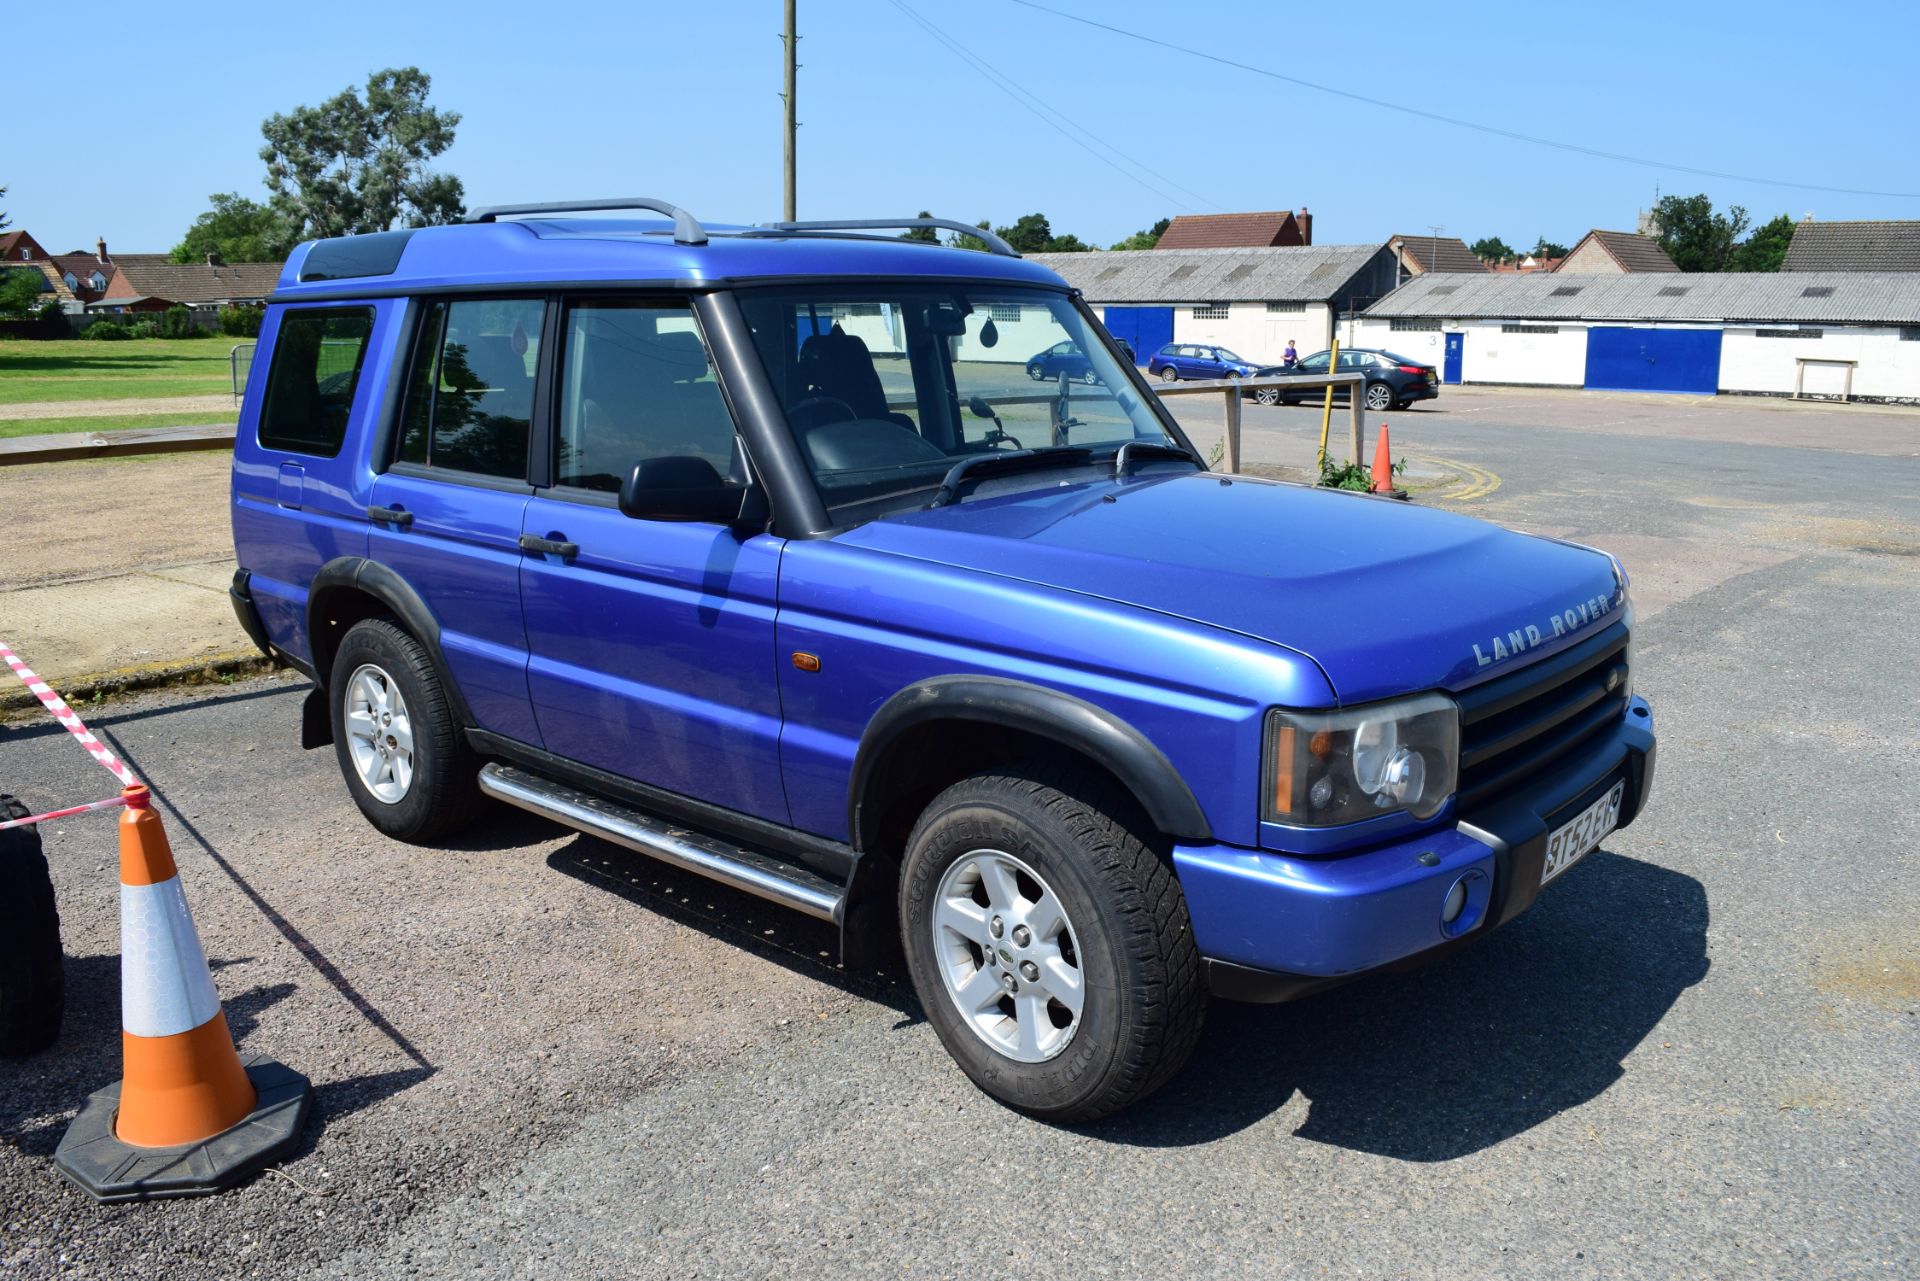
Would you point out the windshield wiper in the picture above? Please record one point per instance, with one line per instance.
(980, 466)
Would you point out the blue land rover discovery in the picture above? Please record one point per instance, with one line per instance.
(757, 550)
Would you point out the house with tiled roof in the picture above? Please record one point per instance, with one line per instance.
(1615, 253)
(1238, 230)
(1879, 245)
(102, 281)
(1421, 254)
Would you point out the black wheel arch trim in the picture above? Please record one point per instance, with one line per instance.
(371, 578)
(1122, 750)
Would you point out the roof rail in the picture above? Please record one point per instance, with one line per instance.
(993, 242)
(686, 228)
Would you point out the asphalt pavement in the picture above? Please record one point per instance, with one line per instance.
(1698, 1055)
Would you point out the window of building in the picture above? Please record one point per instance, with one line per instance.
(1285, 308)
(26, 254)
(316, 366)
(1440, 291)
(848, 310)
(1817, 291)
(1403, 324)
(97, 281)
(1788, 333)
(1529, 329)
(470, 393)
(1910, 333)
(1210, 311)
(72, 281)
(636, 384)
(1567, 291)
(1007, 313)
(1674, 291)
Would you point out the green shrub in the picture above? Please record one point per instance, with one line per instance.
(241, 322)
(106, 331)
(1354, 476)
(143, 329)
(178, 322)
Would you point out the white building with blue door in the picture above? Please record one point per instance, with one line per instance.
(1817, 333)
(1251, 300)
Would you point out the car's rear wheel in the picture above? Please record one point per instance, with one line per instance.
(1090, 378)
(394, 733)
(1379, 397)
(1049, 941)
(1267, 396)
(1168, 374)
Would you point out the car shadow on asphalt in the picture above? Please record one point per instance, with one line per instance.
(1441, 1062)
(795, 942)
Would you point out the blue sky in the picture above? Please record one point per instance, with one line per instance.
(678, 100)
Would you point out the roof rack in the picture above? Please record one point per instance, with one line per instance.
(993, 242)
(686, 228)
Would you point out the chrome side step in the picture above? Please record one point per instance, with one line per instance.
(709, 856)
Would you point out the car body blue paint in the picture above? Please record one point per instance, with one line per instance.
(1199, 360)
(1183, 603)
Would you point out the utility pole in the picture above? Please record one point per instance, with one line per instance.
(792, 41)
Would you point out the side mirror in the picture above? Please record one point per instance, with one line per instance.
(686, 487)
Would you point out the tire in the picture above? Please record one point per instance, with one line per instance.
(33, 994)
(1168, 374)
(1090, 378)
(437, 793)
(1037, 372)
(1379, 397)
(1267, 396)
(1066, 835)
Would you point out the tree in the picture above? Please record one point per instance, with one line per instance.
(1029, 233)
(350, 166)
(20, 290)
(239, 230)
(1493, 249)
(5, 221)
(1766, 248)
(1146, 239)
(1068, 244)
(926, 235)
(1544, 248)
(1694, 236)
(961, 240)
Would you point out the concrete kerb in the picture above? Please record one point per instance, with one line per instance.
(159, 674)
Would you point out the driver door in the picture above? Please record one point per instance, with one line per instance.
(651, 642)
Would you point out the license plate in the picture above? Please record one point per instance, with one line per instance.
(1571, 842)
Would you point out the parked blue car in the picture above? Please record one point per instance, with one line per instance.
(760, 568)
(1179, 360)
(1062, 358)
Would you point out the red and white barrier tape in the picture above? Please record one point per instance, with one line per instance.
(57, 707)
(111, 803)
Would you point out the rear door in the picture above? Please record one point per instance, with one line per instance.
(652, 641)
(447, 512)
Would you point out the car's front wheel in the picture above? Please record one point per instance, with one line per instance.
(399, 746)
(1168, 374)
(1089, 378)
(1049, 942)
(1037, 372)
(1379, 397)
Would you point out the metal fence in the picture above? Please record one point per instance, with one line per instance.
(239, 365)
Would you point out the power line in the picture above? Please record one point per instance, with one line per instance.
(1058, 121)
(1465, 124)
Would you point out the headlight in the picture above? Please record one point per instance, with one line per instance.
(1327, 768)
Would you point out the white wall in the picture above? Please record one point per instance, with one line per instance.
(1889, 365)
(1489, 354)
(1251, 331)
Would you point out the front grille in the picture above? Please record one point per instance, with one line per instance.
(1515, 726)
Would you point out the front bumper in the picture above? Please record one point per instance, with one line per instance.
(1273, 927)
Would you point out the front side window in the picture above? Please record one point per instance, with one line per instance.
(886, 402)
(1316, 363)
(470, 395)
(310, 385)
(636, 384)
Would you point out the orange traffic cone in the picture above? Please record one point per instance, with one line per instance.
(1382, 464)
(189, 1117)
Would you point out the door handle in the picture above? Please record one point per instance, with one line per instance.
(392, 515)
(549, 546)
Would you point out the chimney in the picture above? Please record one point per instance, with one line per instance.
(100, 250)
(1305, 220)
(213, 260)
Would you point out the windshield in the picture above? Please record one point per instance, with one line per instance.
(887, 385)
(1228, 356)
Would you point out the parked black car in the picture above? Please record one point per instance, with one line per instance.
(1393, 381)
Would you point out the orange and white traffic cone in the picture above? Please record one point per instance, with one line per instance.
(1382, 464)
(189, 1117)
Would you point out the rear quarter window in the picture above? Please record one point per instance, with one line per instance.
(310, 386)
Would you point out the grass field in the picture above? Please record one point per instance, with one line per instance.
(48, 426)
(76, 369)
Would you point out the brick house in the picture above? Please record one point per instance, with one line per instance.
(1238, 230)
(1616, 253)
(101, 281)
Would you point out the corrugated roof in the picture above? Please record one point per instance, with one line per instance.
(1231, 230)
(1631, 250)
(1443, 253)
(1885, 298)
(1300, 273)
(1854, 246)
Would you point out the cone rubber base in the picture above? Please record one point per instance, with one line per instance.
(94, 1157)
